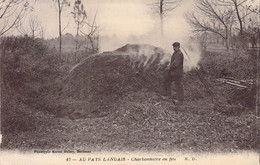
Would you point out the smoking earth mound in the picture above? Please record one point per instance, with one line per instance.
(100, 81)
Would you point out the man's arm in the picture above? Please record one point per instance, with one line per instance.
(178, 60)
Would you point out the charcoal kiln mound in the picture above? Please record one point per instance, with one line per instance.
(100, 81)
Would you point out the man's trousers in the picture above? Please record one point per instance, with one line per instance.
(170, 83)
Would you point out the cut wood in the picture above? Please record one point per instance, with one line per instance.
(235, 83)
(238, 85)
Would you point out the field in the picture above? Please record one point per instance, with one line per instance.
(111, 102)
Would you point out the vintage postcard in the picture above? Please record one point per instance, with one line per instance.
(130, 82)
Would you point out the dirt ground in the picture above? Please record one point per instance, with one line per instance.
(150, 124)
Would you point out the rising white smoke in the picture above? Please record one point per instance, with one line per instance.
(191, 54)
(139, 26)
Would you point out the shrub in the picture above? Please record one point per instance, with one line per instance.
(238, 64)
(27, 70)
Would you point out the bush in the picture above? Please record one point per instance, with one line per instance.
(28, 70)
(240, 64)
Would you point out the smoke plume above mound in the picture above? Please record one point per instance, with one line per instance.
(143, 54)
(190, 49)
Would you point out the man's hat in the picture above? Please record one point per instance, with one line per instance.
(175, 44)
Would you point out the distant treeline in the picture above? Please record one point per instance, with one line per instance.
(69, 43)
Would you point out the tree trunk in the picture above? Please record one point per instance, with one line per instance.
(33, 31)
(97, 42)
(227, 43)
(241, 30)
(92, 44)
(239, 18)
(2, 113)
(257, 84)
(161, 17)
(77, 37)
(227, 38)
(59, 24)
(161, 25)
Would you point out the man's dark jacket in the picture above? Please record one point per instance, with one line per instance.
(176, 66)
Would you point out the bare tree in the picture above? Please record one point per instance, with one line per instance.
(11, 13)
(33, 27)
(235, 4)
(212, 17)
(79, 15)
(162, 8)
(90, 32)
(241, 10)
(61, 4)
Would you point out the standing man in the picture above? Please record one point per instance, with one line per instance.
(175, 74)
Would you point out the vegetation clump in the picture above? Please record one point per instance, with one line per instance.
(29, 71)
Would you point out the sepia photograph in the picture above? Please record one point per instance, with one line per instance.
(130, 82)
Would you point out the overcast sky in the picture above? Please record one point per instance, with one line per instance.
(114, 17)
(123, 21)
